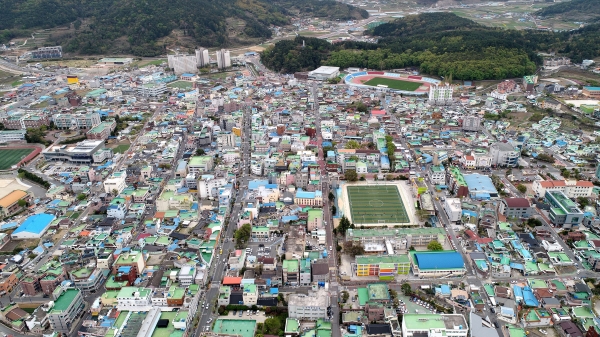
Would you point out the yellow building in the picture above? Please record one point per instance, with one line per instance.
(9, 204)
(72, 79)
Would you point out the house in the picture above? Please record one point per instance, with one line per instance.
(516, 208)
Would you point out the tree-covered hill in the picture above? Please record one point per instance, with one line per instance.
(441, 44)
(577, 10)
(136, 26)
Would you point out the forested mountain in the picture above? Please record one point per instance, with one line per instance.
(577, 10)
(440, 44)
(136, 26)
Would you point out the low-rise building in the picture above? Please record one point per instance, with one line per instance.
(517, 208)
(432, 325)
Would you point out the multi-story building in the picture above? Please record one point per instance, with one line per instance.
(437, 174)
(290, 270)
(7, 281)
(116, 182)
(529, 83)
(377, 241)
(67, 305)
(306, 198)
(202, 58)
(434, 325)
(8, 136)
(556, 61)
(133, 297)
(85, 152)
(77, 121)
(183, 63)
(200, 164)
(592, 92)
(152, 89)
(563, 211)
(309, 307)
(47, 53)
(9, 204)
(133, 259)
(250, 294)
(471, 123)
(25, 120)
(440, 94)
(517, 208)
(87, 279)
(571, 188)
(453, 209)
(223, 59)
(504, 155)
(305, 277)
(102, 131)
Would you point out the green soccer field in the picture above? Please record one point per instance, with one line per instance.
(11, 157)
(376, 204)
(394, 84)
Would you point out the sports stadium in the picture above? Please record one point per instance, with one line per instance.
(405, 84)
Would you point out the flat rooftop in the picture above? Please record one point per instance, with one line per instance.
(63, 301)
(434, 321)
(243, 327)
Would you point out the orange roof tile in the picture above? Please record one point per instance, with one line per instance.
(584, 183)
(12, 197)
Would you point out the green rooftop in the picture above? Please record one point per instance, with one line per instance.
(63, 301)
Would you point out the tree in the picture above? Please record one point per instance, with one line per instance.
(522, 188)
(331, 196)
(565, 173)
(406, 289)
(583, 201)
(351, 175)
(22, 203)
(345, 296)
(422, 214)
(272, 326)
(354, 248)
(200, 152)
(242, 235)
(434, 246)
(344, 225)
(352, 144)
(115, 192)
(81, 197)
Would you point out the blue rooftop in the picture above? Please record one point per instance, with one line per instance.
(479, 183)
(36, 224)
(439, 260)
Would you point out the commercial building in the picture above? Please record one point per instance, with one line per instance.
(563, 211)
(306, 198)
(593, 92)
(290, 272)
(386, 267)
(308, 307)
(85, 152)
(571, 188)
(437, 174)
(480, 186)
(433, 325)
(87, 279)
(47, 53)
(115, 182)
(102, 131)
(76, 121)
(8, 136)
(202, 58)
(183, 63)
(68, 304)
(324, 73)
(437, 264)
(33, 227)
(223, 59)
(517, 208)
(504, 155)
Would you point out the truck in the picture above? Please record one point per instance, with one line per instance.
(492, 302)
(17, 259)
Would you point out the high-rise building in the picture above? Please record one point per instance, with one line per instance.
(183, 63)
(223, 59)
(440, 94)
(202, 58)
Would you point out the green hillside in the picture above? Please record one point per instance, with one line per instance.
(575, 10)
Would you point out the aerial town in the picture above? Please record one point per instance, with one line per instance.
(148, 199)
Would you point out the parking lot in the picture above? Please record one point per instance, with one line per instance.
(265, 247)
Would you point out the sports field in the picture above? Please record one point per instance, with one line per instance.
(376, 204)
(10, 157)
(394, 84)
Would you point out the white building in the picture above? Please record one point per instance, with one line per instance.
(202, 58)
(453, 209)
(65, 309)
(12, 135)
(434, 325)
(82, 152)
(130, 298)
(186, 275)
(76, 121)
(324, 73)
(504, 154)
(116, 211)
(437, 174)
(551, 246)
(208, 186)
(308, 307)
(152, 89)
(223, 59)
(115, 182)
(471, 123)
(183, 63)
(440, 94)
(571, 188)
